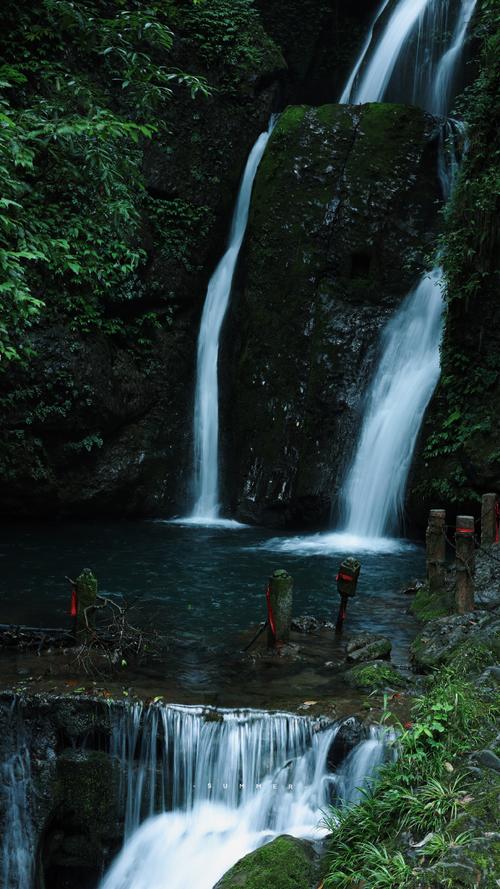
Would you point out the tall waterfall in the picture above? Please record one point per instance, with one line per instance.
(206, 407)
(430, 33)
(225, 782)
(414, 57)
(404, 381)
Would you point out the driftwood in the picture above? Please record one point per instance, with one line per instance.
(34, 638)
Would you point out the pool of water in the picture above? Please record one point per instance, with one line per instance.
(202, 583)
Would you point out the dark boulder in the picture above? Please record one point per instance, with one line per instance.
(349, 734)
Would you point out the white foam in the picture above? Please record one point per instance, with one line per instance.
(337, 543)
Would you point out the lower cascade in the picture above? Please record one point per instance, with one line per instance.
(198, 789)
(373, 494)
(236, 781)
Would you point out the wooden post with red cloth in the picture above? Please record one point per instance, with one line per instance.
(465, 563)
(279, 597)
(347, 579)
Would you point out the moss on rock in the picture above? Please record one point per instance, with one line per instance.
(374, 675)
(427, 605)
(286, 863)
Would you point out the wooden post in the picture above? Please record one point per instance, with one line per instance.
(489, 509)
(435, 541)
(279, 606)
(86, 591)
(464, 540)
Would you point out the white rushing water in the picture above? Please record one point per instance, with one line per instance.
(17, 844)
(232, 781)
(442, 85)
(346, 95)
(408, 371)
(415, 55)
(416, 51)
(206, 408)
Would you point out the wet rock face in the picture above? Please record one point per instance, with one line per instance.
(344, 203)
(367, 647)
(66, 789)
(350, 733)
(441, 638)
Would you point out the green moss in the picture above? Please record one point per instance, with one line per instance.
(286, 863)
(471, 658)
(375, 675)
(290, 120)
(427, 605)
(87, 788)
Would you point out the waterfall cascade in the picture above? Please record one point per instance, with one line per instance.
(413, 56)
(224, 782)
(420, 46)
(373, 493)
(17, 846)
(206, 409)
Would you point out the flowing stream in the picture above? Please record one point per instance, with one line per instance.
(206, 407)
(225, 782)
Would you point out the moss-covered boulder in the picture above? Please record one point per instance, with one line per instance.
(343, 209)
(374, 675)
(286, 863)
(476, 633)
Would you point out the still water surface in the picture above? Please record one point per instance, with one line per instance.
(197, 582)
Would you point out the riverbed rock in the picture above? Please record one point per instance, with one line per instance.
(368, 647)
(285, 863)
(374, 675)
(344, 203)
(349, 734)
(442, 638)
(309, 624)
(488, 760)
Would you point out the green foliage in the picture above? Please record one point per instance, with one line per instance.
(226, 32)
(376, 676)
(468, 395)
(422, 794)
(82, 87)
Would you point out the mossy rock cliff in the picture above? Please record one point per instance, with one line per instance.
(343, 210)
(100, 417)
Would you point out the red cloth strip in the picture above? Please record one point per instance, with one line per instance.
(270, 614)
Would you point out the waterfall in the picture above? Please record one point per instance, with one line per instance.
(372, 496)
(414, 58)
(443, 83)
(206, 407)
(362, 764)
(408, 371)
(17, 846)
(225, 782)
(346, 94)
